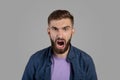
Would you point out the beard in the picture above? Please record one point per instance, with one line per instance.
(62, 50)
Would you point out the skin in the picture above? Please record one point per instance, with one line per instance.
(60, 31)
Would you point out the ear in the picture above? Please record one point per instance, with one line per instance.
(48, 30)
(73, 31)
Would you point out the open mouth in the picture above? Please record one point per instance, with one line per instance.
(60, 43)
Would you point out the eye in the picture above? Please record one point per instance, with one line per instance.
(54, 28)
(66, 28)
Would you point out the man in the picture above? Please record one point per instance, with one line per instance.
(60, 61)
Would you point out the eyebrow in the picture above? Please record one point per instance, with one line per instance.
(53, 27)
(66, 26)
(62, 27)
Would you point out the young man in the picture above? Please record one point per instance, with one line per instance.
(60, 61)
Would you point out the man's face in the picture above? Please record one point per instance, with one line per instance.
(60, 32)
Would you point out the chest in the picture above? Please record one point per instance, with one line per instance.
(48, 70)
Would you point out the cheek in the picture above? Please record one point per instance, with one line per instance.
(52, 36)
(68, 36)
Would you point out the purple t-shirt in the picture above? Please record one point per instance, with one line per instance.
(60, 69)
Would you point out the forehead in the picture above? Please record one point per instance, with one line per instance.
(60, 23)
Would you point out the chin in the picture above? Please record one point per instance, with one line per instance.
(61, 51)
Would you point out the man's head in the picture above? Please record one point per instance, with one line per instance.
(60, 30)
(60, 14)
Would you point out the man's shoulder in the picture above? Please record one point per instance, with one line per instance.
(82, 54)
(41, 52)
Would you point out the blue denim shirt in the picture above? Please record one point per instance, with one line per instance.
(39, 65)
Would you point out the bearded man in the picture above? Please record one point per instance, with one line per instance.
(60, 61)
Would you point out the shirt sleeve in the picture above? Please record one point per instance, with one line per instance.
(29, 71)
(91, 71)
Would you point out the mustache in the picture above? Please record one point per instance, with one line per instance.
(60, 39)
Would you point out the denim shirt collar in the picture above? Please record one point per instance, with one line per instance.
(70, 56)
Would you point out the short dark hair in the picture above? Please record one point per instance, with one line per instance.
(60, 14)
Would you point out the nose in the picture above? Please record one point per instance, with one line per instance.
(60, 33)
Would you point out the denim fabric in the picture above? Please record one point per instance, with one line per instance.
(39, 65)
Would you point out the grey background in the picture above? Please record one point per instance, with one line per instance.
(23, 31)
